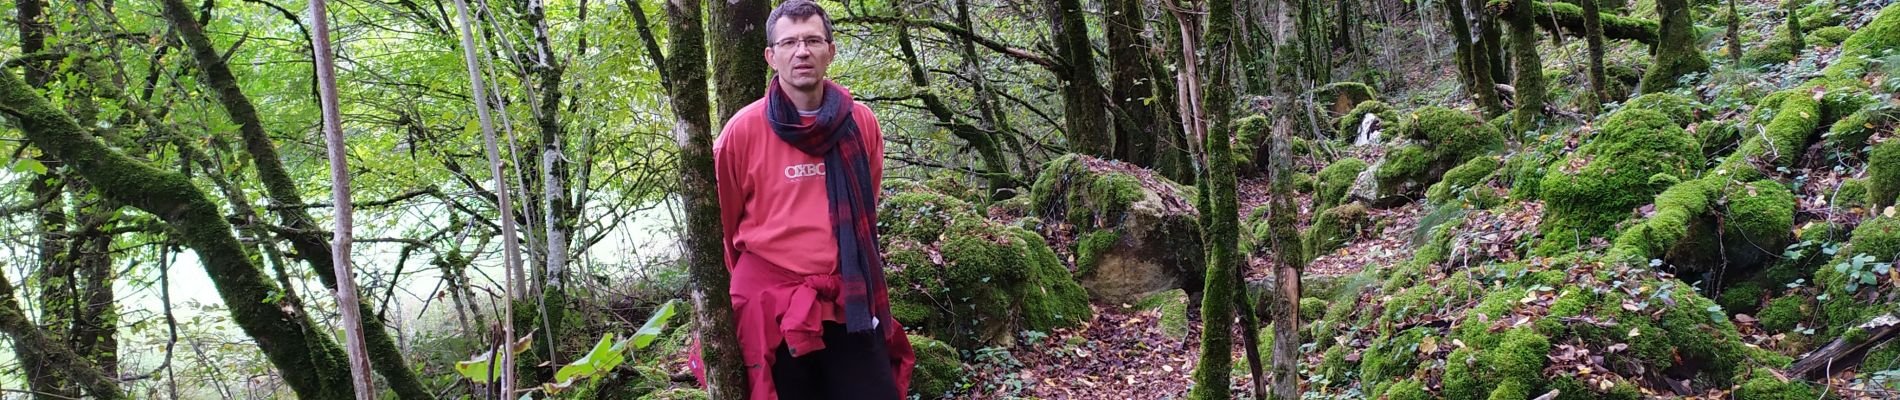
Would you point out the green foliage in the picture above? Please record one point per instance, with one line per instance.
(1829, 36)
(1767, 385)
(1465, 177)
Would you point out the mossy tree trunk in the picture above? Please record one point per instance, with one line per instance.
(1792, 10)
(1527, 69)
(993, 120)
(1491, 39)
(1593, 40)
(1131, 88)
(737, 37)
(1473, 68)
(53, 354)
(1676, 52)
(1211, 374)
(1289, 263)
(309, 362)
(50, 219)
(1734, 34)
(303, 234)
(684, 75)
(1085, 117)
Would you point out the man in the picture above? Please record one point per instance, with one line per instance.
(798, 174)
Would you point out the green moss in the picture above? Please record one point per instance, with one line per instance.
(1403, 168)
(1334, 181)
(977, 280)
(1392, 355)
(1409, 389)
(1829, 36)
(921, 216)
(1049, 296)
(1334, 227)
(1304, 182)
(1592, 189)
(1511, 390)
(1311, 308)
(1444, 139)
(1741, 298)
(1875, 39)
(1849, 135)
(1676, 53)
(938, 371)
(1784, 313)
(1680, 109)
(1779, 48)
(1883, 174)
(1332, 364)
(1173, 307)
(1459, 381)
(1766, 385)
(1465, 176)
(1250, 133)
(1090, 247)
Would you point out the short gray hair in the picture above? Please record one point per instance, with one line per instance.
(797, 10)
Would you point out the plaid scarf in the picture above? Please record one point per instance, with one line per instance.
(834, 136)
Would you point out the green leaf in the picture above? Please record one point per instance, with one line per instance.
(656, 323)
(478, 369)
(597, 362)
(29, 166)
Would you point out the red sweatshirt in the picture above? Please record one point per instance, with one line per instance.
(779, 244)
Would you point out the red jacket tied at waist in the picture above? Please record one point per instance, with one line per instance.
(775, 305)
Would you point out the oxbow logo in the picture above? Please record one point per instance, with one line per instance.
(804, 170)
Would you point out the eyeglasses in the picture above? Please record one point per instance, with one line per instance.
(810, 43)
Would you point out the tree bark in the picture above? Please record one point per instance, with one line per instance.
(55, 354)
(1471, 63)
(1676, 52)
(1593, 39)
(298, 347)
(1132, 87)
(1289, 263)
(1212, 380)
(1527, 68)
(511, 250)
(303, 234)
(736, 41)
(1734, 34)
(1085, 116)
(685, 67)
(340, 196)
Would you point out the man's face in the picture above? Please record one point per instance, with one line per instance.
(799, 52)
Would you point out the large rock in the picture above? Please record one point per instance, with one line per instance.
(1433, 141)
(1637, 154)
(968, 280)
(1132, 232)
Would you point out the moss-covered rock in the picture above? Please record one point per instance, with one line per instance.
(1848, 136)
(938, 372)
(1156, 242)
(1334, 227)
(970, 280)
(1850, 300)
(1715, 222)
(1680, 109)
(1784, 313)
(677, 394)
(1172, 309)
(1332, 182)
(1350, 125)
(1878, 37)
(1250, 141)
(1611, 175)
(1779, 48)
(1829, 36)
(1883, 174)
(1338, 98)
(1466, 178)
(1439, 139)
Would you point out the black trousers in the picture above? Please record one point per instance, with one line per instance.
(851, 366)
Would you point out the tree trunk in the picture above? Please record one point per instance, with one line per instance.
(993, 121)
(1471, 63)
(1491, 40)
(1593, 39)
(1211, 374)
(1676, 52)
(340, 195)
(736, 40)
(1085, 117)
(300, 349)
(55, 354)
(511, 251)
(1734, 34)
(685, 66)
(1132, 88)
(303, 234)
(1289, 261)
(1526, 66)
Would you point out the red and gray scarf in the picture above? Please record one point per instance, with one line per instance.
(834, 136)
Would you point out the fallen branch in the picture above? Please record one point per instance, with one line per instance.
(1844, 353)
